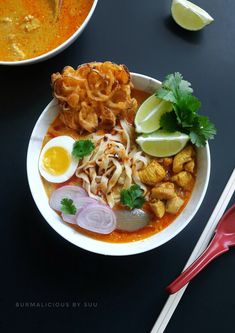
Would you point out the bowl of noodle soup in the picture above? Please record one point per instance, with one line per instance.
(147, 85)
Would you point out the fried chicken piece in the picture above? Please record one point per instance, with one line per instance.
(184, 179)
(152, 174)
(158, 207)
(163, 191)
(30, 23)
(17, 51)
(189, 166)
(182, 157)
(173, 205)
(167, 161)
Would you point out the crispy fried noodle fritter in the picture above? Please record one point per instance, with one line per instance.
(94, 95)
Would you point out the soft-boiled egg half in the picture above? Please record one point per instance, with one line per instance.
(56, 162)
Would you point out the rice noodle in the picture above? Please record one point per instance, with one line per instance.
(113, 164)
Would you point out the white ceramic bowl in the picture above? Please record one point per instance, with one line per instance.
(147, 84)
(59, 48)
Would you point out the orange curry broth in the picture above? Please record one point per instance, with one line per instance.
(50, 33)
(58, 128)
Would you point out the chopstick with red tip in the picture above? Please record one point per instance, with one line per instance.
(201, 245)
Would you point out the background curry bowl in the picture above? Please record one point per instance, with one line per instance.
(59, 48)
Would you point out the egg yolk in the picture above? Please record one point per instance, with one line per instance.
(56, 160)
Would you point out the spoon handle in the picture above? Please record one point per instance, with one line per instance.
(215, 249)
(57, 7)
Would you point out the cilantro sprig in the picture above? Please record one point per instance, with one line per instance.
(132, 197)
(82, 148)
(68, 207)
(184, 117)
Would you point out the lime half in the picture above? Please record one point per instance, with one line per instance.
(148, 116)
(162, 144)
(189, 16)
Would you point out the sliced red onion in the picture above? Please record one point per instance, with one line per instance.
(69, 218)
(68, 191)
(97, 218)
(79, 203)
(131, 220)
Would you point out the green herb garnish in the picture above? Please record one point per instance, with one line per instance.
(184, 117)
(82, 148)
(132, 197)
(67, 206)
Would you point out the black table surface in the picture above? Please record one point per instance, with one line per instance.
(48, 284)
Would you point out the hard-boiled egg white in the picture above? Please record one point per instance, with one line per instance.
(56, 163)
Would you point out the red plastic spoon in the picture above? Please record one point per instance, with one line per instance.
(224, 239)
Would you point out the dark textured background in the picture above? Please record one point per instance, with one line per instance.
(37, 265)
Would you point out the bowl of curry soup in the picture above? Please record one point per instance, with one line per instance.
(33, 31)
(116, 243)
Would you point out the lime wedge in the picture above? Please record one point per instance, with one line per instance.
(148, 116)
(189, 16)
(162, 144)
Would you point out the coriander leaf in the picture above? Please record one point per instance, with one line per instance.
(82, 148)
(197, 138)
(138, 202)
(202, 131)
(125, 197)
(165, 94)
(185, 117)
(168, 122)
(185, 86)
(174, 86)
(132, 197)
(172, 81)
(67, 206)
(188, 103)
(136, 191)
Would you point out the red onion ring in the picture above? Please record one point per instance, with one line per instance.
(68, 191)
(80, 203)
(97, 218)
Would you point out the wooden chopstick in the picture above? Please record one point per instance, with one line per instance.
(201, 245)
